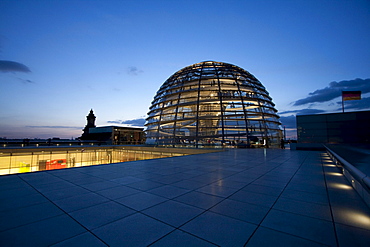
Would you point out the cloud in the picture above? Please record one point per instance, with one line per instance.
(115, 122)
(132, 70)
(10, 66)
(54, 127)
(289, 121)
(25, 81)
(133, 122)
(306, 111)
(334, 90)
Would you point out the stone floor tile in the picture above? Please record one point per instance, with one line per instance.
(317, 179)
(352, 236)
(356, 216)
(166, 179)
(117, 192)
(65, 192)
(265, 237)
(64, 173)
(261, 189)
(134, 230)
(181, 239)
(314, 210)
(199, 199)
(21, 201)
(99, 215)
(168, 191)
(307, 187)
(206, 178)
(217, 190)
(110, 175)
(235, 182)
(80, 201)
(10, 179)
(220, 230)
(11, 182)
(302, 226)
(22, 216)
(42, 233)
(254, 198)
(343, 194)
(100, 185)
(270, 183)
(305, 196)
(145, 185)
(140, 201)
(251, 213)
(146, 176)
(87, 179)
(276, 176)
(189, 185)
(173, 213)
(53, 186)
(85, 239)
(38, 178)
(126, 180)
(20, 191)
(195, 172)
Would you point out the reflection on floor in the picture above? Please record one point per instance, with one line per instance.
(39, 159)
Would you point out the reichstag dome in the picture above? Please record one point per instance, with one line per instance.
(213, 104)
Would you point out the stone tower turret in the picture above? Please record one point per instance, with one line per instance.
(90, 120)
(90, 124)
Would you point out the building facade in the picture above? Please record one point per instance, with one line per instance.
(116, 135)
(349, 127)
(111, 135)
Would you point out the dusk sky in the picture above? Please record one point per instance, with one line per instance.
(59, 59)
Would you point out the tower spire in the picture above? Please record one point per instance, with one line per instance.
(90, 124)
(91, 119)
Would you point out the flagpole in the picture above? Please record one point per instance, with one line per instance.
(350, 95)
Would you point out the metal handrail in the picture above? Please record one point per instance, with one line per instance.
(361, 177)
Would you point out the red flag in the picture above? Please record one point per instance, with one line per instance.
(351, 95)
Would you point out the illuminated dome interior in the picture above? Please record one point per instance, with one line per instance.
(212, 104)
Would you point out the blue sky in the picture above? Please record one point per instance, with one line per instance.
(59, 59)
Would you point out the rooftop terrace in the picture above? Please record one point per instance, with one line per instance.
(240, 197)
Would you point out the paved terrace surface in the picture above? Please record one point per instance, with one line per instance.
(252, 197)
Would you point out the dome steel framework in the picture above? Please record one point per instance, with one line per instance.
(212, 103)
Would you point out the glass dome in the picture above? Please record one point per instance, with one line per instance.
(212, 104)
